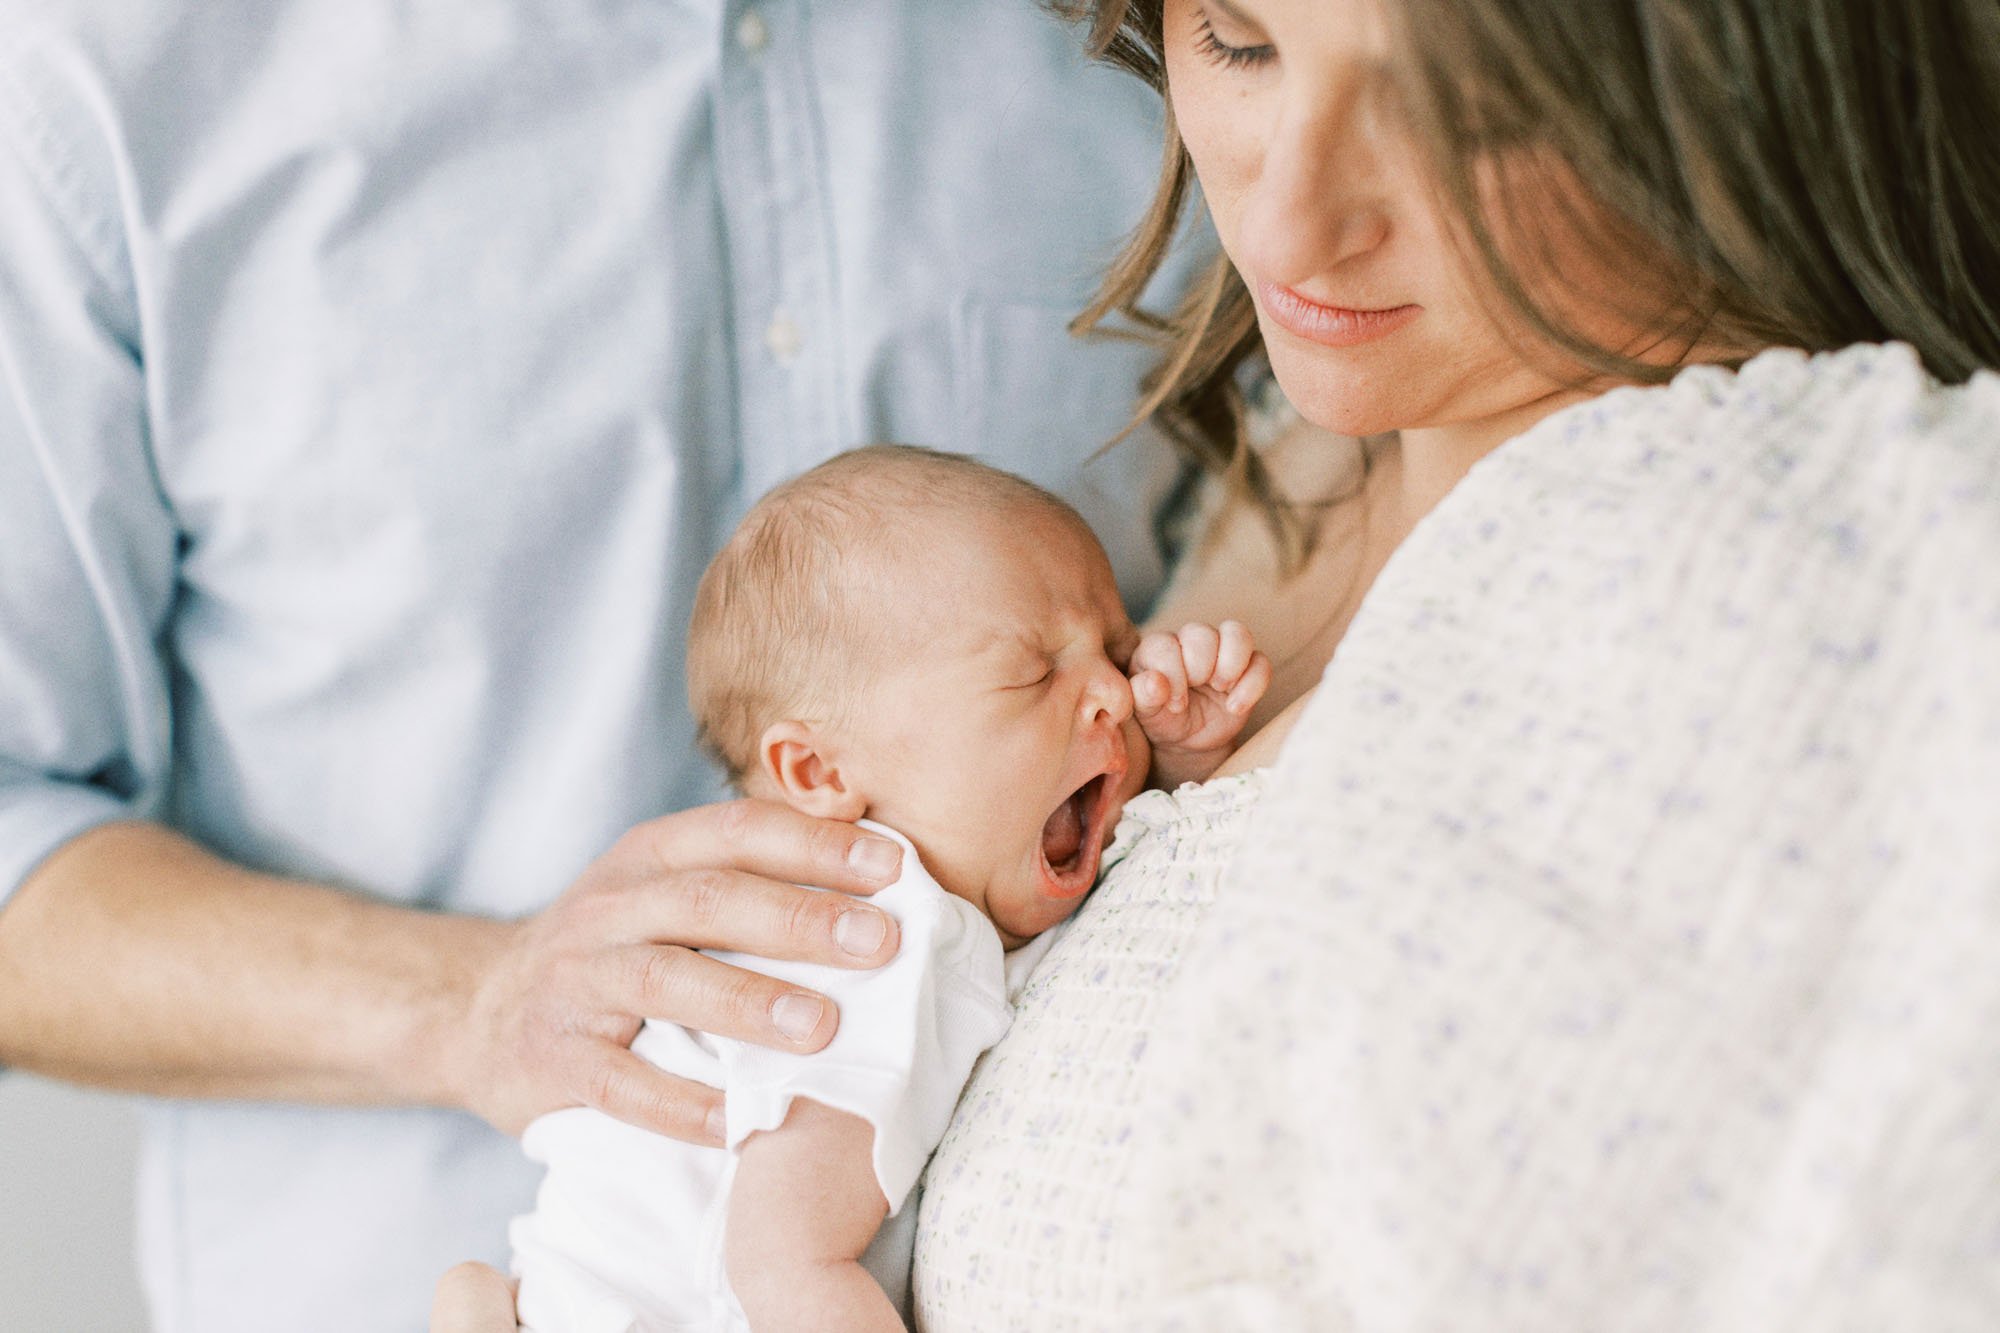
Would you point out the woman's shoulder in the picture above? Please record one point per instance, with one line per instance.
(1796, 514)
(1790, 447)
(1863, 395)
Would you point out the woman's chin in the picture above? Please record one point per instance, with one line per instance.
(1339, 410)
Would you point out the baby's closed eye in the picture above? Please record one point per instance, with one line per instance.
(1028, 671)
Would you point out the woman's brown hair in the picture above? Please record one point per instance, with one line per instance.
(1813, 173)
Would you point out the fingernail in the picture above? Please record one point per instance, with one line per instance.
(860, 931)
(797, 1015)
(875, 858)
(717, 1125)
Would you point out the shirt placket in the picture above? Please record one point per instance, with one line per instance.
(770, 158)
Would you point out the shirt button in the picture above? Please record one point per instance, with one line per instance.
(752, 33)
(783, 337)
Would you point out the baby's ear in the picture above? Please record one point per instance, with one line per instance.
(794, 759)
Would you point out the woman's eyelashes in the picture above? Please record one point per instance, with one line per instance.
(1216, 51)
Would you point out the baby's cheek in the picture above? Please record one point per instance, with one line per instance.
(1138, 758)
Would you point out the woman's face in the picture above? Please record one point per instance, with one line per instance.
(1372, 320)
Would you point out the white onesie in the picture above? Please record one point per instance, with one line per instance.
(627, 1231)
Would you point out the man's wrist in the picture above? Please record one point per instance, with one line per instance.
(135, 959)
(441, 1058)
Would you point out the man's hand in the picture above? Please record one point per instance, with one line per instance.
(1192, 691)
(553, 1012)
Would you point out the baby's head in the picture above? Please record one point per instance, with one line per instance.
(935, 644)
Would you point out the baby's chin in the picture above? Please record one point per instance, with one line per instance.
(1020, 912)
(1014, 900)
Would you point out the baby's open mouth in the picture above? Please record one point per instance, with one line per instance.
(1073, 837)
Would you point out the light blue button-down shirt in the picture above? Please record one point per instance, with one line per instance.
(375, 380)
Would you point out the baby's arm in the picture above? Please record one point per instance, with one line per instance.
(804, 1206)
(1192, 691)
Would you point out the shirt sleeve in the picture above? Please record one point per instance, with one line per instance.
(909, 1034)
(91, 546)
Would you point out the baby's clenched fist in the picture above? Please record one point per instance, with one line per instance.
(1192, 691)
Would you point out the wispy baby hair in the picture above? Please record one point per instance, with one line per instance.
(784, 624)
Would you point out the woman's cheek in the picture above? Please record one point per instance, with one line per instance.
(1212, 118)
(1228, 168)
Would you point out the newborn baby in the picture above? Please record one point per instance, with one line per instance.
(937, 647)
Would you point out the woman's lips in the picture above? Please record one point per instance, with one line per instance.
(1328, 325)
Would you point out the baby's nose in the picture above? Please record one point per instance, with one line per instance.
(1107, 696)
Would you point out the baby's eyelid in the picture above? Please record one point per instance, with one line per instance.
(1120, 648)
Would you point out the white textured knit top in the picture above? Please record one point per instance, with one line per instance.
(1015, 1230)
(1617, 945)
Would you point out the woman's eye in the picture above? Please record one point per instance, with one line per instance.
(1217, 51)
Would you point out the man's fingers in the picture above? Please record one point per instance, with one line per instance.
(733, 909)
(625, 1087)
(473, 1298)
(772, 840)
(696, 991)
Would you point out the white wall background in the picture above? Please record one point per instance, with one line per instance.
(66, 1161)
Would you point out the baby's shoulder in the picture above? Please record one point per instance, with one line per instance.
(940, 930)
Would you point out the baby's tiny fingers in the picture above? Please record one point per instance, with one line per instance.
(1160, 654)
(1256, 679)
(1233, 654)
(1156, 652)
(1150, 691)
(1199, 646)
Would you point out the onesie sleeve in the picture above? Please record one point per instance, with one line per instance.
(909, 1034)
(88, 579)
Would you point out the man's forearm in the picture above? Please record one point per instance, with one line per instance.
(134, 959)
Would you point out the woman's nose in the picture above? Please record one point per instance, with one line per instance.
(1317, 200)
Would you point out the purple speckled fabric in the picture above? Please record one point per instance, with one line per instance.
(1617, 942)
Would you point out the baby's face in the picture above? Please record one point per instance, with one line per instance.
(1002, 742)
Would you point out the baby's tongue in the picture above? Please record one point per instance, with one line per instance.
(1063, 834)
